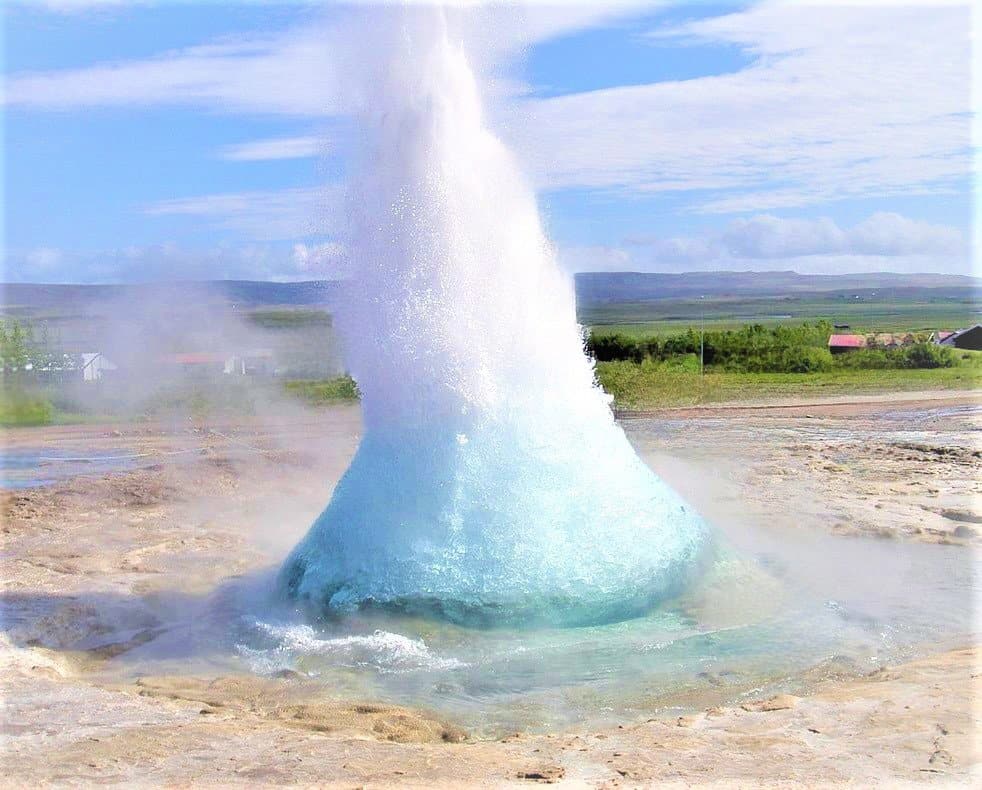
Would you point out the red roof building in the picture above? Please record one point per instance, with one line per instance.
(840, 343)
(195, 358)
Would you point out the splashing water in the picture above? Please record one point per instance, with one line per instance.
(492, 485)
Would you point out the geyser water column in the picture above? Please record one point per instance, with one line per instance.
(492, 485)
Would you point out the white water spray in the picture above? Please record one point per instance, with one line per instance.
(492, 485)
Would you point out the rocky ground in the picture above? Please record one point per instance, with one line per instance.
(91, 564)
(904, 466)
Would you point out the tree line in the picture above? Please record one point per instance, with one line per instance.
(755, 348)
(21, 348)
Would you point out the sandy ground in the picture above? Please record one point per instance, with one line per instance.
(210, 503)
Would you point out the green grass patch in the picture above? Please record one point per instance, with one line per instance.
(289, 318)
(863, 316)
(650, 384)
(323, 391)
(21, 408)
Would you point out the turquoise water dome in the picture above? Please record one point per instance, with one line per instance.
(492, 485)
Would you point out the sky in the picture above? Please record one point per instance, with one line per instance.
(179, 140)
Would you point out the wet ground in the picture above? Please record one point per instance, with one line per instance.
(131, 597)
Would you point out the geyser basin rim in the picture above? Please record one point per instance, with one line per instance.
(336, 605)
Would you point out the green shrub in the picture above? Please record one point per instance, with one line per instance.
(928, 355)
(918, 356)
(804, 360)
(866, 359)
(607, 348)
(18, 407)
(342, 388)
(758, 349)
(752, 348)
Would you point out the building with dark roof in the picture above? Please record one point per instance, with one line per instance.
(970, 339)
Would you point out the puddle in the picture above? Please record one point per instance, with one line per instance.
(33, 467)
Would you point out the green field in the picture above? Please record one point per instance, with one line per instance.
(289, 318)
(862, 316)
(650, 386)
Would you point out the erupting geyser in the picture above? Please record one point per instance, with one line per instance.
(492, 485)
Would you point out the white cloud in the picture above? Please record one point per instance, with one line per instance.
(293, 73)
(838, 103)
(886, 233)
(883, 234)
(308, 71)
(767, 236)
(264, 215)
(595, 258)
(43, 259)
(72, 6)
(882, 242)
(274, 148)
(169, 262)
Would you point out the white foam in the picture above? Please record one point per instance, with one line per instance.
(382, 650)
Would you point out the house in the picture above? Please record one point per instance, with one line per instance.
(970, 339)
(882, 340)
(196, 363)
(939, 336)
(841, 343)
(258, 362)
(94, 364)
(205, 363)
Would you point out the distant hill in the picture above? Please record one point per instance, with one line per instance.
(592, 288)
(596, 288)
(39, 297)
(79, 313)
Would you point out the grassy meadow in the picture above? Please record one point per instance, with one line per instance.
(919, 313)
(648, 385)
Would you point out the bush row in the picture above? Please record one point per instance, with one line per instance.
(758, 349)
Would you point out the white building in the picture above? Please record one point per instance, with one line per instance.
(93, 365)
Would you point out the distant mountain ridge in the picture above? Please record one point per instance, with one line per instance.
(612, 287)
(592, 288)
(247, 293)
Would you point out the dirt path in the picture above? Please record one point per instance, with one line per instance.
(828, 406)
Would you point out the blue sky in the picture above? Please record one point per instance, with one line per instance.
(196, 140)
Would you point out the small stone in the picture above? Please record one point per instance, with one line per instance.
(547, 775)
(941, 756)
(780, 702)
